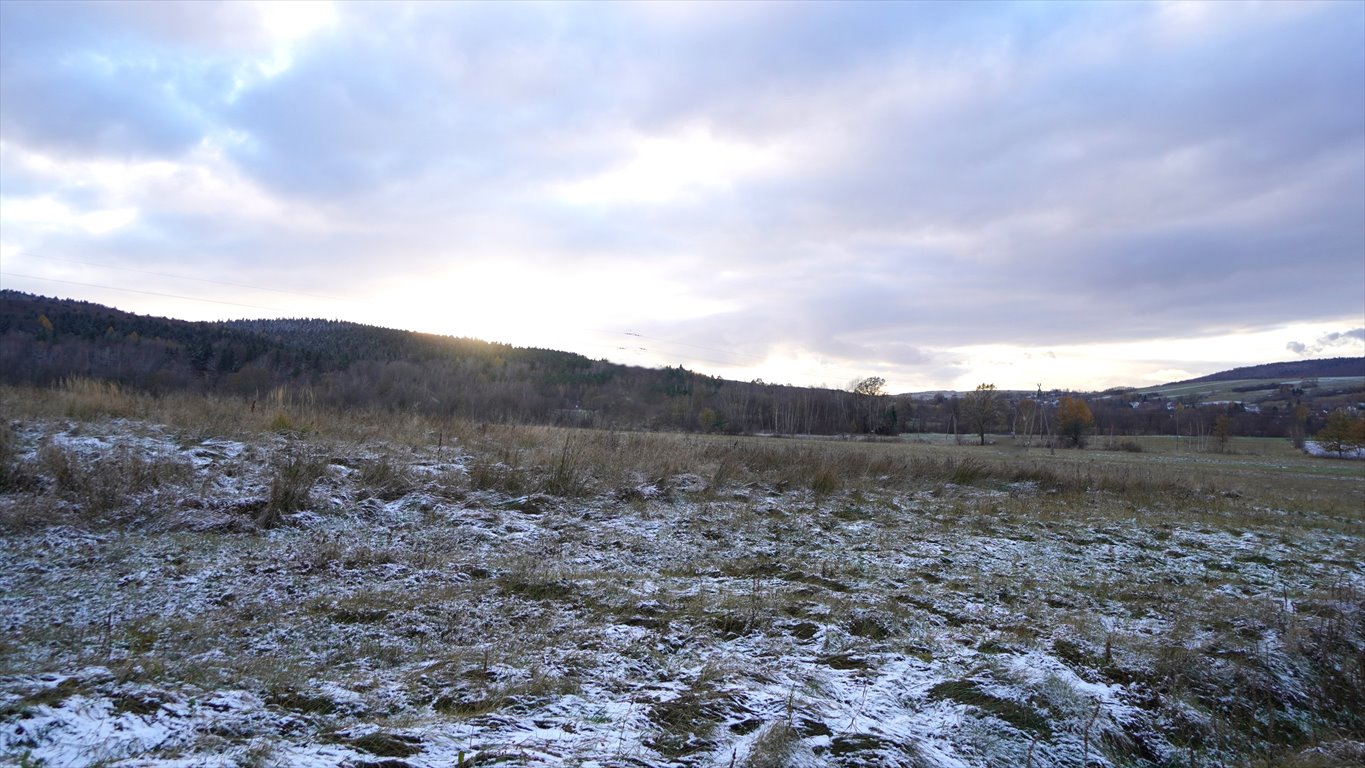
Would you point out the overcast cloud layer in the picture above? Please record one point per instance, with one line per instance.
(1079, 194)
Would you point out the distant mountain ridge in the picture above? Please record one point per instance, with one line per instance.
(1295, 369)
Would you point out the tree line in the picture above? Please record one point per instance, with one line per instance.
(45, 340)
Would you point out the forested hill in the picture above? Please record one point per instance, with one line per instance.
(335, 344)
(45, 340)
(1288, 371)
(340, 364)
(211, 350)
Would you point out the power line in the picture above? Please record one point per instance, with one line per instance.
(146, 293)
(691, 359)
(192, 279)
(739, 360)
(742, 357)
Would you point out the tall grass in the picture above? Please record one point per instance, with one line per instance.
(105, 482)
(570, 461)
(11, 473)
(291, 486)
(765, 566)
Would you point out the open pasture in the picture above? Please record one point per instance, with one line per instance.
(189, 581)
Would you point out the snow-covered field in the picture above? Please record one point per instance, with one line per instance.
(178, 599)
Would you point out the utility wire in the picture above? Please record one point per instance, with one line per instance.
(738, 359)
(146, 293)
(841, 370)
(192, 279)
(736, 355)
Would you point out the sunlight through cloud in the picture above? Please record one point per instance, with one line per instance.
(290, 20)
(662, 169)
(47, 213)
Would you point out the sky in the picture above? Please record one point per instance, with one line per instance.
(1069, 195)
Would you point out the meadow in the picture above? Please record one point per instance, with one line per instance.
(193, 580)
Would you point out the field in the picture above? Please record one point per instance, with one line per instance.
(190, 581)
(1328, 391)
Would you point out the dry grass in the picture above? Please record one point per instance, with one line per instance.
(579, 462)
(537, 548)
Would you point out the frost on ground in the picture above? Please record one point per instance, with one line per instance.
(1314, 448)
(173, 600)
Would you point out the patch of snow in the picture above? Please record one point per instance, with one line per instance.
(1314, 448)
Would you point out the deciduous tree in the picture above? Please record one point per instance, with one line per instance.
(873, 386)
(1074, 420)
(981, 408)
(870, 392)
(1222, 431)
(1343, 433)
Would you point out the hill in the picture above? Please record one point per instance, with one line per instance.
(1319, 386)
(45, 340)
(1332, 367)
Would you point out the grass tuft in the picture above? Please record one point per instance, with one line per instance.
(970, 693)
(774, 746)
(291, 487)
(386, 479)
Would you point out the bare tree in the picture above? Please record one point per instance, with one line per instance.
(981, 408)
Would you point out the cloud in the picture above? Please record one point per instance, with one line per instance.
(45, 212)
(138, 80)
(869, 184)
(1335, 342)
(668, 168)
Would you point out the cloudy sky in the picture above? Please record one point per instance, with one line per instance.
(1079, 195)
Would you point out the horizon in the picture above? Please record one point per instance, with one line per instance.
(1075, 195)
(838, 387)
